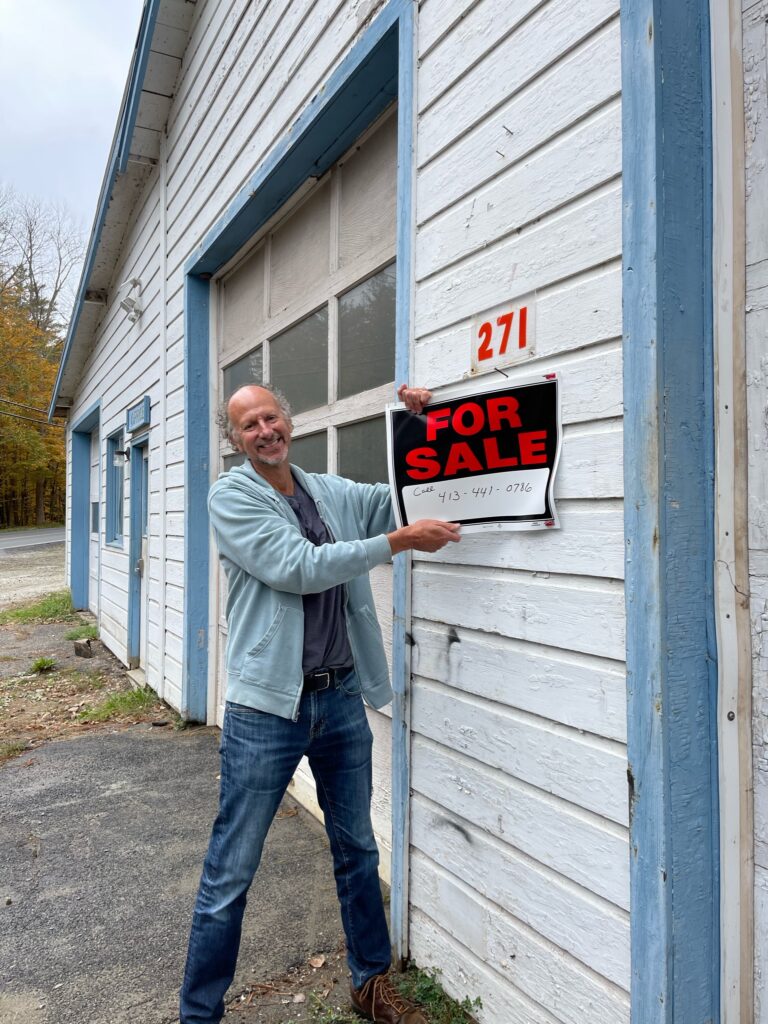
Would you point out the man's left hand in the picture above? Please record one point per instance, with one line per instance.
(414, 398)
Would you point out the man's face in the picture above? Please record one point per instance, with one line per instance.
(260, 428)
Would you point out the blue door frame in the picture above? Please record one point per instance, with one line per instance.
(669, 460)
(139, 514)
(80, 507)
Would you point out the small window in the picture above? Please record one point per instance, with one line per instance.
(232, 460)
(248, 370)
(363, 451)
(115, 475)
(299, 362)
(311, 452)
(367, 334)
(94, 517)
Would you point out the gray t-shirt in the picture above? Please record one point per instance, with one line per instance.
(325, 632)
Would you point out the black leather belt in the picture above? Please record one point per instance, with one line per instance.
(322, 679)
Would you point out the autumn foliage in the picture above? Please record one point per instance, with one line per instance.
(35, 264)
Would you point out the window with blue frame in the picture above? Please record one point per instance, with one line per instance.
(115, 477)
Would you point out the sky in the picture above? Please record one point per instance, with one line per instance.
(63, 68)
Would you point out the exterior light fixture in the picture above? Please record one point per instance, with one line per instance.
(131, 290)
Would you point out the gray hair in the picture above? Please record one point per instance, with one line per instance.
(226, 425)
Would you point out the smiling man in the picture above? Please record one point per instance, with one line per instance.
(304, 649)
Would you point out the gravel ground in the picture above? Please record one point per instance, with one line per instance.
(30, 573)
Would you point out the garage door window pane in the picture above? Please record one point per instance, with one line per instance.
(367, 334)
(248, 370)
(230, 461)
(298, 361)
(363, 451)
(310, 452)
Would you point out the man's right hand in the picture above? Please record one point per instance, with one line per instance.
(424, 535)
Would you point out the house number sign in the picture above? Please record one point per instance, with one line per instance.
(504, 335)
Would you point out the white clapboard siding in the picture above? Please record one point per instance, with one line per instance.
(574, 843)
(582, 691)
(574, 164)
(530, 964)
(586, 233)
(253, 120)
(464, 975)
(591, 461)
(558, 909)
(485, 26)
(579, 614)
(589, 543)
(583, 80)
(581, 768)
(437, 20)
(538, 42)
(519, 866)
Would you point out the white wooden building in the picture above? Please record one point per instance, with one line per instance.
(564, 780)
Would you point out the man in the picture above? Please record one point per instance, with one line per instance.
(304, 648)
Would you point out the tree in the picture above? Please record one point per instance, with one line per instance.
(40, 250)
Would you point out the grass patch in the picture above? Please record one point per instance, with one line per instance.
(85, 631)
(130, 702)
(42, 665)
(9, 750)
(324, 1014)
(420, 987)
(85, 682)
(424, 987)
(51, 608)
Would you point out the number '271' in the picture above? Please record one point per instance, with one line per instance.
(501, 333)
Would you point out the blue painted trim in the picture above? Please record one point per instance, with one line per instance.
(80, 511)
(401, 576)
(197, 480)
(136, 516)
(363, 85)
(125, 126)
(669, 502)
(136, 81)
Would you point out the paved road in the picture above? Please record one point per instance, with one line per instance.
(16, 540)
(102, 841)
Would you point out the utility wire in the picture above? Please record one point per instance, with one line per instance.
(32, 408)
(29, 419)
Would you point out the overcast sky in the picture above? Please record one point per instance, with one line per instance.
(63, 68)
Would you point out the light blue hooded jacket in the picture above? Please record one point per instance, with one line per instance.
(269, 565)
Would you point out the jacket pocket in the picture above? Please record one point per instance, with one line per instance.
(266, 640)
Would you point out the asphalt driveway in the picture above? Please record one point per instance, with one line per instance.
(101, 846)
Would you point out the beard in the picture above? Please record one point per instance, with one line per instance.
(273, 460)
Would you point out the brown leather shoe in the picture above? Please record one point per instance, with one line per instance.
(378, 1000)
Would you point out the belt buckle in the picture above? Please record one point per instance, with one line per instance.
(327, 683)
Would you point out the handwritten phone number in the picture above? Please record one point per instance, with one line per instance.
(478, 493)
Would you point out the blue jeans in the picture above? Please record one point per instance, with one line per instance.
(259, 754)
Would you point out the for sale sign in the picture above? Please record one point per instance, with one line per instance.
(486, 458)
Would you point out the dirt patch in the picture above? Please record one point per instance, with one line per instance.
(36, 706)
(30, 572)
(317, 990)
